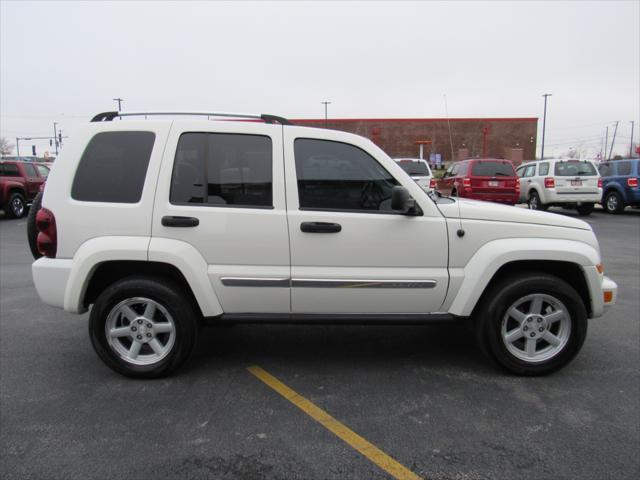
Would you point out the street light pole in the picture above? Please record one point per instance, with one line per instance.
(326, 121)
(55, 136)
(631, 144)
(119, 100)
(544, 123)
(613, 140)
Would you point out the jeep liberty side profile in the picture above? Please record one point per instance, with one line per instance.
(156, 224)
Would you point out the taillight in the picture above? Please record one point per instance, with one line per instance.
(549, 183)
(466, 182)
(432, 183)
(517, 185)
(599, 183)
(632, 181)
(48, 236)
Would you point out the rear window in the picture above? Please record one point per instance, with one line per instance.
(113, 167)
(624, 168)
(492, 169)
(414, 168)
(575, 169)
(9, 170)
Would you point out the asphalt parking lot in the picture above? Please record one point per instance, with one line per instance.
(424, 395)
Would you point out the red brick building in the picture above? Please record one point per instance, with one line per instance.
(512, 138)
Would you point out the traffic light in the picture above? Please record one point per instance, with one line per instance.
(33, 149)
(60, 138)
(50, 143)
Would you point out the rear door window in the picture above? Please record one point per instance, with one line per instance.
(113, 167)
(543, 169)
(575, 169)
(493, 169)
(223, 170)
(29, 170)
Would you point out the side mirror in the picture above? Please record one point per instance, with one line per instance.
(402, 202)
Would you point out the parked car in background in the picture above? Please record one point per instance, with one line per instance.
(419, 170)
(492, 180)
(43, 169)
(19, 184)
(556, 182)
(620, 184)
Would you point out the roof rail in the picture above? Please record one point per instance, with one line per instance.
(109, 116)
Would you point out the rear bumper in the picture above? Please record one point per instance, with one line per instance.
(50, 276)
(552, 196)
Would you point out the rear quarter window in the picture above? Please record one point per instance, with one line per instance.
(492, 169)
(113, 167)
(624, 168)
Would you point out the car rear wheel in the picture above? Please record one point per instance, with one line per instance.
(532, 324)
(16, 208)
(144, 327)
(534, 202)
(585, 208)
(613, 203)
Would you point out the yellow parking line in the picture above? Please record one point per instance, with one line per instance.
(367, 449)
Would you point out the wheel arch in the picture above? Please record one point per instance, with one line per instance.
(570, 272)
(570, 260)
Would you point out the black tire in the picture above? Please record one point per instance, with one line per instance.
(15, 207)
(170, 296)
(32, 230)
(585, 208)
(613, 203)
(534, 202)
(490, 314)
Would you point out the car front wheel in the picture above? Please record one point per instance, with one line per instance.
(144, 327)
(532, 325)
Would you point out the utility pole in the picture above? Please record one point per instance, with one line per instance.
(326, 121)
(606, 143)
(18, 147)
(119, 100)
(631, 144)
(544, 123)
(55, 136)
(613, 140)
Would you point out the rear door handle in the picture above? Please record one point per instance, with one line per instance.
(180, 222)
(320, 227)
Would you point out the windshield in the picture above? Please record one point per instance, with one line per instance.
(414, 168)
(492, 169)
(574, 169)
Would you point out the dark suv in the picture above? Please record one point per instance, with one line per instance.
(620, 184)
(492, 180)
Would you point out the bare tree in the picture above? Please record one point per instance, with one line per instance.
(6, 147)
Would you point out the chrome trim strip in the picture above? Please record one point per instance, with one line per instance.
(255, 282)
(361, 283)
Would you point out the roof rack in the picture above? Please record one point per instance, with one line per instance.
(109, 116)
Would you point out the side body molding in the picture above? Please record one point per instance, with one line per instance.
(488, 259)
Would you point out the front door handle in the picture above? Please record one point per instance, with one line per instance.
(180, 222)
(320, 227)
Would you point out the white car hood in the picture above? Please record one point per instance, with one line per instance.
(477, 210)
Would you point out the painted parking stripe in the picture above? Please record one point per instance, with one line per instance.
(373, 453)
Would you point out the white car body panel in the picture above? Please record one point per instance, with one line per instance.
(386, 263)
(395, 247)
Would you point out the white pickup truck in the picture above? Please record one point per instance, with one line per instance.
(158, 223)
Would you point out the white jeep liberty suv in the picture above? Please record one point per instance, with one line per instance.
(159, 223)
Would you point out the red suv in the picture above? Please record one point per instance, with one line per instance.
(488, 179)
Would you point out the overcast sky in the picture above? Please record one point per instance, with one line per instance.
(65, 61)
